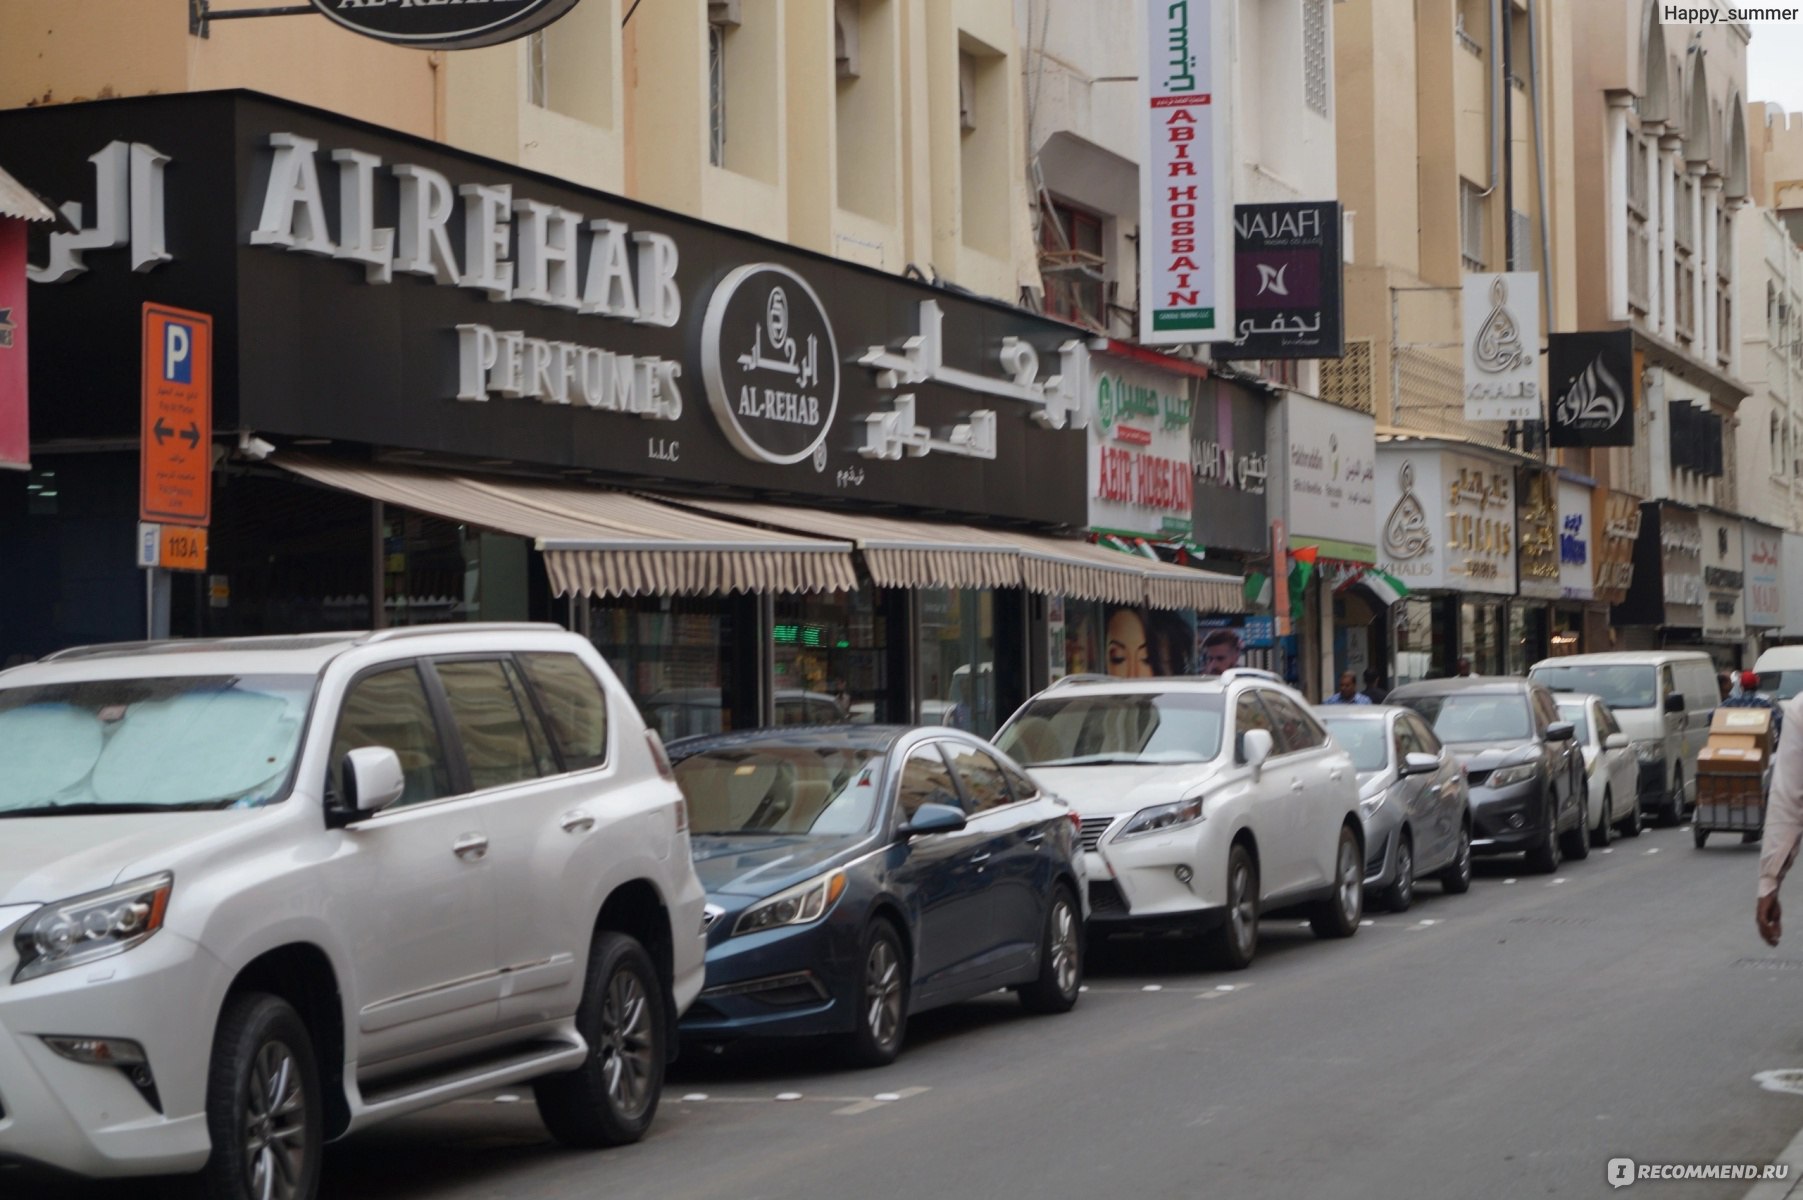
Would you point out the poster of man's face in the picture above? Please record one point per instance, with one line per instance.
(1220, 651)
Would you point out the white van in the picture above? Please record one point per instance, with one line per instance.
(1780, 672)
(1663, 700)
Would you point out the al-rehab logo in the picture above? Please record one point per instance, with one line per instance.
(1130, 475)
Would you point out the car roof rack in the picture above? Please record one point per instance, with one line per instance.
(1233, 673)
(407, 631)
(1074, 680)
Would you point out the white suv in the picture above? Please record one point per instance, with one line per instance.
(258, 893)
(1204, 801)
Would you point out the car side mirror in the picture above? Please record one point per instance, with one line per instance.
(1419, 764)
(1256, 745)
(933, 818)
(1674, 703)
(372, 778)
(1616, 741)
(1561, 731)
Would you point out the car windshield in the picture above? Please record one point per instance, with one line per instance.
(783, 787)
(1780, 685)
(1141, 727)
(1579, 716)
(1367, 741)
(1475, 716)
(121, 745)
(1619, 686)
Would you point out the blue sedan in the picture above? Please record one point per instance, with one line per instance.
(859, 874)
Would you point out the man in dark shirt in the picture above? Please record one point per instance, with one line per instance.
(1375, 691)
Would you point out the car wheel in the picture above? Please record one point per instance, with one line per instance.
(1060, 958)
(1402, 893)
(264, 1111)
(1338, 915)
(1699, 835)
(1544, 859)
(1236, 941)
(1674, 811)
(1632, 824)
(610, 1099)
(1604, 833)
(1456, 878)
(882, 1008)
(1575, 842)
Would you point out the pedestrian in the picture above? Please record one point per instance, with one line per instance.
(1725, 680)
(1375, 691)
(1783, 827)
(1746, 694)
(1464, 667)
(1349, 691)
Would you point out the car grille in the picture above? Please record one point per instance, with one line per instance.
(1105, 897)
(1093, 829)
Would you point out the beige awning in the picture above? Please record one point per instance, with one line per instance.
(17, 200)
(605, 543)
(903, 553)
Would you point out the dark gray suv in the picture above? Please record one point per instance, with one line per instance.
(1526, 771)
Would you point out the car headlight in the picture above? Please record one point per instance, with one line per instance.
(1162, 818)
(1369, 805)
(96, 925)
(799, 905)
(1652, 751)
(1510, 776)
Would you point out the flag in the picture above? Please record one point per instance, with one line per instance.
(1302, 569)
(1385, 587)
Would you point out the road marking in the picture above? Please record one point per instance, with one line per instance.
(1654, 850)
(788, 1095)
(1226, 987)
(1608, 852)
(1427, 921)
(507, 1098)
(1153, 987)
(880, 1100)
(1508, 881)
(1366, 922)
(694, 1096)
(1555, 882)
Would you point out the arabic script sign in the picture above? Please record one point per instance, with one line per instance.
(1287, 281)
(1448, 520)
(1765, 575)
(1185, 187)
(444, 24)
(1139, 461)
(1590, 377)
(1502, 347)
(770, 364)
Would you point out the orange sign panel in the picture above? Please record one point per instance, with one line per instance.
(183, 548)
(176, 459)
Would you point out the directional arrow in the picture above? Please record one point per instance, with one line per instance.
(191, 435)
(161, 431)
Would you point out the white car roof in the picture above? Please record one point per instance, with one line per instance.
(1643, 658)
(1780, 658)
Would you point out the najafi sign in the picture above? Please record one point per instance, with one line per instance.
(444, 24)
(1287, 281)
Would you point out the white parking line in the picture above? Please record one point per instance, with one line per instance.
(1555, 882)
(880, 1100)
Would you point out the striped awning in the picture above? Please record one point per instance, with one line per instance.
(17, 201)
(605, 543)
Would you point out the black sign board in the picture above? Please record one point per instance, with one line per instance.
(1591, 376)
(444, 24)
(386, 291)
(1287, 281)
(1229, 459)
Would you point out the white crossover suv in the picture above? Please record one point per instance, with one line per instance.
(1205, 802)
(258, 893)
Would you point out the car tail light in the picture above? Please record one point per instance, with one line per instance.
(658, 757)
(1076, 824)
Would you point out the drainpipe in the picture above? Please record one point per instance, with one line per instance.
(1546, 247)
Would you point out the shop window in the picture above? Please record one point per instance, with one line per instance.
(570, 65)
(676, 657)
(986, 146)
(437, 570)
(716, 94)
(1073, 263)
(955, 672)
(830, 656)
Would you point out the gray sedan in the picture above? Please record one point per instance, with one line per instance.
(1413, 797)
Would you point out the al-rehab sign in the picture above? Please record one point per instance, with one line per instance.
(1185, 175)
(444, 24)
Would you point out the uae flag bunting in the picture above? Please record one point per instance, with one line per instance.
(1302, 569)
(1381, 584)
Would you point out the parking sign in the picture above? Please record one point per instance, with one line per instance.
(176, 457)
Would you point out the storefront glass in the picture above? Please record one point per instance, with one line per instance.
(831, 659)
(1481, 637)
(1421, 632)
(1528, 636)
(676, 657)
(955, 667)
(436, 571)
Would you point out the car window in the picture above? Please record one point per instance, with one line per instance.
(1296, 730)
(1063, 730)
(1249, 714)
(1425, 737)
(1606, 723)
(981, 776)
(1623, 685)
(1406, 742)
(389, 708)
(489, 722)
(925, 779)
(1701, 692)
(1668, 685)
(1579, 716)
(574, 708)
(1476, 716)
(542, 753)
(1364, 740)
(1546, 709)
(1020, 783)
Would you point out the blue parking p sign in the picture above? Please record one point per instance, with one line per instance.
(178, 352)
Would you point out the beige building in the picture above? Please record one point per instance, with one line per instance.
(885, 132)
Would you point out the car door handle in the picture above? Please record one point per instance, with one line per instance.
(1036, 837)
(577, 822)
(1336, 774)
(977, 860)
(470, 847)
(1295, 785)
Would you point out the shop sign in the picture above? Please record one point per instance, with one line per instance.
(1449, 521)
(1724, 577)
(176, 433)
(15, 435)
(1139, 461)
(1591, 376)
(460, 307)
(1791, 564)
(1185, 176)
(444, 24)
(1575, 524)
(1502, 340)
(1615, 517)
(1765, 575)
(1288, 270)
(1537, 527)
(1681, 566)
(1329, 477)
(1231, 461)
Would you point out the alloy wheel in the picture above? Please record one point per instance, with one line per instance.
(275, 1124)
(1350, 878)
(1242, 908)
(1405, 873)
(883, 993)
(626, 1044)
(1064, 946)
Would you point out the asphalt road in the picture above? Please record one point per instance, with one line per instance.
(1504, 1043)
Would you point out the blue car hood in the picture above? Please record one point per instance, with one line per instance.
(759, 865)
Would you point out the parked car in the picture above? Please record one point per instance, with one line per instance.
(259, 893)
(1205, 803)
(859, 874)
(1780, 671)
(1413, 799)
(1611, 771)
(1663, 700)
(1525, 770)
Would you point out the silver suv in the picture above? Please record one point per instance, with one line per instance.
(258, 893)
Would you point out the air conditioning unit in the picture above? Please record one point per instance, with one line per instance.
(725, 13)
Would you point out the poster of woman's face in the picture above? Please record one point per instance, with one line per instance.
(1140, 646)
